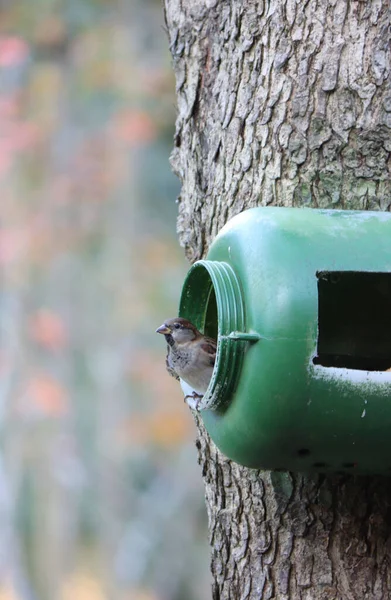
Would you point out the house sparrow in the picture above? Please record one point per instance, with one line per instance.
(190, 355)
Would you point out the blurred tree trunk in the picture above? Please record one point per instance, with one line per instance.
(286, 103)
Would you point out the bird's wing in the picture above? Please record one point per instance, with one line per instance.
(169, 366)
(209, 347)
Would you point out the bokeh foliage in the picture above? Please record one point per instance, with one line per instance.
(99, 491)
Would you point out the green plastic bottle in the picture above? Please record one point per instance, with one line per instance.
(300, 303)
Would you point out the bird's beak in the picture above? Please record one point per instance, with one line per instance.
(163, 329)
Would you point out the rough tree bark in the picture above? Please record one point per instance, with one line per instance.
(284, 102)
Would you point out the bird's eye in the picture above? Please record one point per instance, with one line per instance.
(177, 326)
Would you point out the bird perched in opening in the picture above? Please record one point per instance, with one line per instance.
(190, 355)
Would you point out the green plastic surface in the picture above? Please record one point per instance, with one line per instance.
(300, 301)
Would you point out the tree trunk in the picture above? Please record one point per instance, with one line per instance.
(286, 103)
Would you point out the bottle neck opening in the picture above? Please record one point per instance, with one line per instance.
(212, 300)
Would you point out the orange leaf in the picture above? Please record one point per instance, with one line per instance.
(82, 586)
(134, 127)
(47, 395)
(48, 329)
(168, 428)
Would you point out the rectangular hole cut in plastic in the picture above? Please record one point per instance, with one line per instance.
(354, 320)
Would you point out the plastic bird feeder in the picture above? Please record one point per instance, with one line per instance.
(300, 303)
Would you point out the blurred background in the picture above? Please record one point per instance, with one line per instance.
(100, 491)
